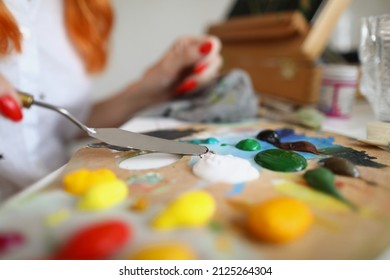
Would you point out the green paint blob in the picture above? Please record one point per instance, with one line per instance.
(322, 179)
(248, 145)
(223, 145)
(281, 160)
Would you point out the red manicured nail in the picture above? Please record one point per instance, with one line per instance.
(186, 86)
(199, 68)
(205, 48)
(10, 108)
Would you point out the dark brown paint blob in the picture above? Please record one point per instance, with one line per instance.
(300, 146)
(341, 166)
(273, 138)
(269, 136)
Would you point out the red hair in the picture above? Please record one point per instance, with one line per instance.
(88, 24)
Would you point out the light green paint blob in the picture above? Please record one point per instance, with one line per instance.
(215, 226)
(310, 117)
(148, 178)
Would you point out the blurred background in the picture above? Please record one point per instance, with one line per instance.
(145, 29)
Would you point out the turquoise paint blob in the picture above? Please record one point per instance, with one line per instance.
(210, 141)
(248, 145)
(281, 160)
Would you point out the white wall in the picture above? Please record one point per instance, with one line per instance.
(146, 28)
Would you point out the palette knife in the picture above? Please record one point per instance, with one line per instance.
(122, 138)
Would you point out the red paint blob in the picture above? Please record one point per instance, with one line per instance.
(9, 240)
(99, 241)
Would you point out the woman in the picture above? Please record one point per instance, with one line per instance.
(51, 49)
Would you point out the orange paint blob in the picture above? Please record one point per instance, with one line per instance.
(279, 220)
(165, 251)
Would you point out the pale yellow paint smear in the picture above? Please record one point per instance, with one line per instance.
(310, 196)
(57, 217)
(223, 243)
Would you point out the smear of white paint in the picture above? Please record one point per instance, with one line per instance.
(224, 168)
(149, 161)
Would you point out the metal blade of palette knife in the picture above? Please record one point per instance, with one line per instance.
(124, 138)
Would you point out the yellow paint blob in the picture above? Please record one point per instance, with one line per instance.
(279, 220)
(103, 195)
(167, 251)
(78, 182)
(192, 209)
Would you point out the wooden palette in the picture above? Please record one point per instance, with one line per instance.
(337, 232)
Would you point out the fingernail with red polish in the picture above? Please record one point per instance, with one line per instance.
(205, 48)
(10, 108)
(199, 68)
(186, 86)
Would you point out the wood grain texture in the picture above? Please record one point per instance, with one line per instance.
(336, 234)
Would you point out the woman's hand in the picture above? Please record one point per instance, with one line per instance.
(190, 63)
(10, 105)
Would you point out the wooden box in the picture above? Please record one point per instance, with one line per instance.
(280, 50)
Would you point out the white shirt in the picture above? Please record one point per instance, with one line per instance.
(49, 69)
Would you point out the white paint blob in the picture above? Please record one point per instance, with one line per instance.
(228, 169)
(148, 161)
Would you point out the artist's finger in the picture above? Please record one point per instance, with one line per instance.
(188, 51)
(203, 73)
(10, 105)
(10, 108)
(207, 70)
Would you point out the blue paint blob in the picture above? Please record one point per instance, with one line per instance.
(237, 189)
